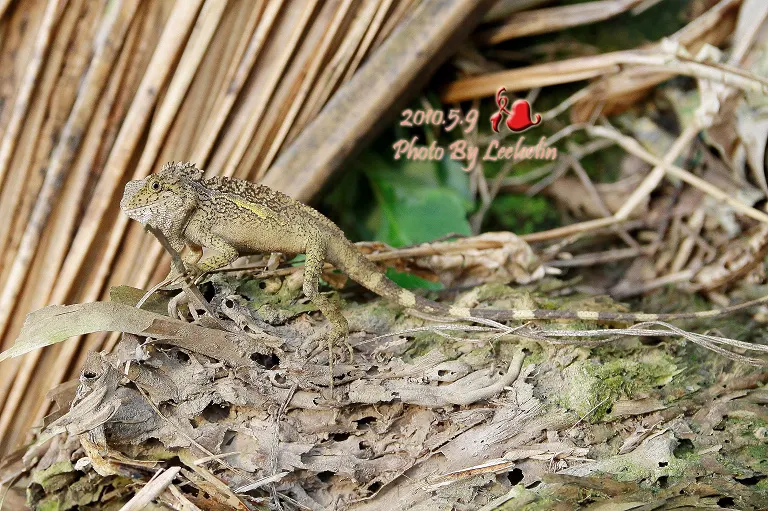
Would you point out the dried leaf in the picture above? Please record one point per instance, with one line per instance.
(57, 323)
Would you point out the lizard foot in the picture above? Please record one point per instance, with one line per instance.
(329, 341)
(193, 274)
(336, 338)
(333, 339)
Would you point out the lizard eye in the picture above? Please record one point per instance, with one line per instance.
(155, 186)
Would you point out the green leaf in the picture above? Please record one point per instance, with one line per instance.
(453, 176)
(408, 281)
(426, 215)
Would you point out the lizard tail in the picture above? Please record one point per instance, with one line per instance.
(347, 258)
(365, 272)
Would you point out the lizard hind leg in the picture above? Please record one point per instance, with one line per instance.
(313, 267)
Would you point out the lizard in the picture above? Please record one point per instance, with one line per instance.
(234, 217)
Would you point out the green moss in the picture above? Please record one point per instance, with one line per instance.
(682, 466)
(424, 342)
(284, 299)
(593, 386)
(540, 504)
(496, 291)
(50, 504)
(756, 457)
(536, 358)
(759, 452)
(57, 476)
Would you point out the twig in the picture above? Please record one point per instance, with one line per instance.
(710, 342)
(561, 168)
(653, 179)
(584, 68)
(476, 220)
(186, 504)
(261, 482)
(569, 230)
(609, 256)
(581, 419)
(554, 19)
(593, 193)
(151, 490)
(632, 146)
(274, 448)
(7, 489)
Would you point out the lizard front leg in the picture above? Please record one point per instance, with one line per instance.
(313, 268)
(174, 234)
(189, 257)
(225, 254)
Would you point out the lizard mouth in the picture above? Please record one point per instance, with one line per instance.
(141, 214)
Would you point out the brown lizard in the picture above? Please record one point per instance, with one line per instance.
(234, 217)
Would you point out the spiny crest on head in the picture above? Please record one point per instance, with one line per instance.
(182, 169)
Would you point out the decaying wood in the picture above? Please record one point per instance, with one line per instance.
(240, 427)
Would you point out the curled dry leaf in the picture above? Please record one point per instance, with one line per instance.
(740, 258)
(489, 257)
(512, 261)
(185, 400)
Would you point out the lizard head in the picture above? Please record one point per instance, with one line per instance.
(160, 197)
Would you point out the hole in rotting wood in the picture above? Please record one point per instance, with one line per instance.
(269, 361)
(365, 422)
(750, 481)
(215, 412)
(725, 501)
(208, 291)
(684, 447)
(182, 357)
(515, 476)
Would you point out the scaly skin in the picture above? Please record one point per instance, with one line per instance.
(233, 217)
